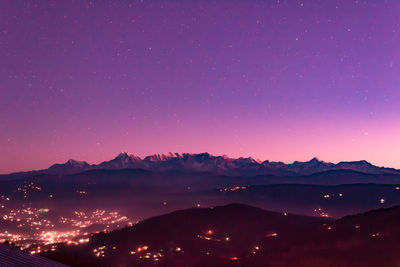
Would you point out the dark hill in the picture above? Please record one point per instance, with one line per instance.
(241, 235)
(219, 235)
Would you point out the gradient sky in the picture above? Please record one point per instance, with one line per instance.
(277, 80)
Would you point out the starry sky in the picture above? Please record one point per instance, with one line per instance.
(276, 80)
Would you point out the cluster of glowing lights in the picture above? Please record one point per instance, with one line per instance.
(82, 219)
(100, 251)
(8, 236)
(3, 197)
(205, 237)
(28, 217)
(209, 236)
(37, 230)
(28, 187)
(39, 249)
(143, 252)
(35, 227)
(321, 212)
(376, 235)
(236, 188)
(326, 196)
(255, 250)
(51, 237)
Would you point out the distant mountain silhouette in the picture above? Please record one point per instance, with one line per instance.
(204, 162)
(69, 167)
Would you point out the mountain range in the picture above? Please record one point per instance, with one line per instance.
(204, 162)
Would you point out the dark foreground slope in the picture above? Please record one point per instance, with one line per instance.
(367, 239)
(220, 235)
(245, 236)
(14, 257)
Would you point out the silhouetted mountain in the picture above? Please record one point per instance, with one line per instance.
(124, 160)
(204, 162)
(71, 166)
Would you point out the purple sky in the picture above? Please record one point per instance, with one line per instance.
(277, 80)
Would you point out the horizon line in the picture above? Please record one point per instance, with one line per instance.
(181, 153)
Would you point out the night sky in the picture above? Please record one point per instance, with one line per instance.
(277, 80)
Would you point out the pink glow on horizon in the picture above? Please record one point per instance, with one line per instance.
(334, 145)
(274, 80)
